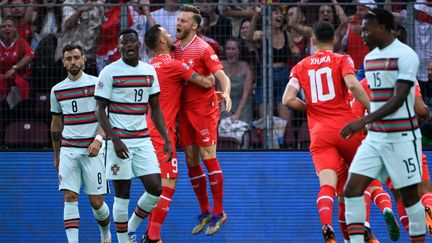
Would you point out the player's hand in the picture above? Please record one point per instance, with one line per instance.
(167, 151)
(93, 148)
(352, 128)
(120, 148)
(223, 96)
(56, 163)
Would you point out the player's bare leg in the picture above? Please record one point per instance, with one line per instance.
(208, 155)
(160, 212)
(146, 203)
(328, 181)
(199, 185)
(102, 214)
(71, 215)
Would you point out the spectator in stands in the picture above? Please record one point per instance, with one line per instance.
(250, 53)
(219, 27)
(4, 11)
(142, 20)
(237, 11)
(15, 55)
(80, 26)
(350, 31)
(167, 16)
(48, 21)
(203, 29)
(283, 47)
(240, 74)
(107, 48)
(23, 19)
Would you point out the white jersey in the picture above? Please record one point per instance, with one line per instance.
(75, 101)
(383, 68)
(127, 89)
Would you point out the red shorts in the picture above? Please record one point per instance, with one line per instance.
(330, 151)
(198, 124)
(168, 169)
(425, 172)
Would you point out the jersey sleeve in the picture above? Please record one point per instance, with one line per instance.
(211, 60)
(294, 79)
(183, 70)
(155, 88)
(28, 51)
(55, 105)
(103, 87)
(347, 66)
(408, 66)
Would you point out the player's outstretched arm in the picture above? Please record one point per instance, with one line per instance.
(226, 88)
(159, 122)
(289, 97)
(402, 89)
(357, 90)
(56, 129)
(203, 81)
(120, 148)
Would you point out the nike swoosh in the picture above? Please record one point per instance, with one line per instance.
(409, 177)
(99, 187)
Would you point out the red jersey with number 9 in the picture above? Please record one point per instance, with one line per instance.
(321, 78)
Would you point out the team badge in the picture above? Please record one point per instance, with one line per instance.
(115, 168)
(86, 91)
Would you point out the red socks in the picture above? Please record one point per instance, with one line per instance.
(426, 199)
(216, 183)
(382, 199)
(159, 213)
(342, 221)
(199, 185)
(325, 204)
(403, 217)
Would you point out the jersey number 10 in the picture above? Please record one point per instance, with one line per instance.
(316, 83)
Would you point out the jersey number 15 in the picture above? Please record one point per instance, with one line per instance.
(316, 83)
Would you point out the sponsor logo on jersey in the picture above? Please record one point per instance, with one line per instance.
(100, 84)
(214, 57)
(185, 66)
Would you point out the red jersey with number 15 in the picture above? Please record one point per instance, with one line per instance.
(200, 56)
(321, 78)
(172, 75)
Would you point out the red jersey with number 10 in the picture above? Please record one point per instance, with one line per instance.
(200, 56)
(172, 75)
(321, 78)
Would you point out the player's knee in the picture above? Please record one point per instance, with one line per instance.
(351, 190)
(156, 190)
(96, 202)
(70, 196)
(171, 183)
(208, 152)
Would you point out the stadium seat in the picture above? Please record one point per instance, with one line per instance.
(42, 106)
(27, 134)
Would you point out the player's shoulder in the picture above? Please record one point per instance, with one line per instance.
(404, 51)
(61, 85)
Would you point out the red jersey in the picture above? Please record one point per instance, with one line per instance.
(200, 56)
(357, 107)
(172, 75)
(11, 55)
(25, 31)
(321, 78)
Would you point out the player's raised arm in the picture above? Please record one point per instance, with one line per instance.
(159, 122)
(357, 90)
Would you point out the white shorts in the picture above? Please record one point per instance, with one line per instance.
(76, 169)
(401, 161)
(142, 161)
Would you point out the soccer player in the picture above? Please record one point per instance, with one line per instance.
(127, 88)
(325, 78)
(76, 155)
(199, 117)
(392, 146)
(172, 75)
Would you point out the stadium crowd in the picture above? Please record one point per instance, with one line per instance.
(34, 33)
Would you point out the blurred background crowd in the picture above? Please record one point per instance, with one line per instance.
(257, 41)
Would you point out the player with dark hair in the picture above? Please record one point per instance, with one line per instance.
(325, 78)
(199, 116)
(172, 75)
(77, 143)
(392, 147)
(127, 88)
